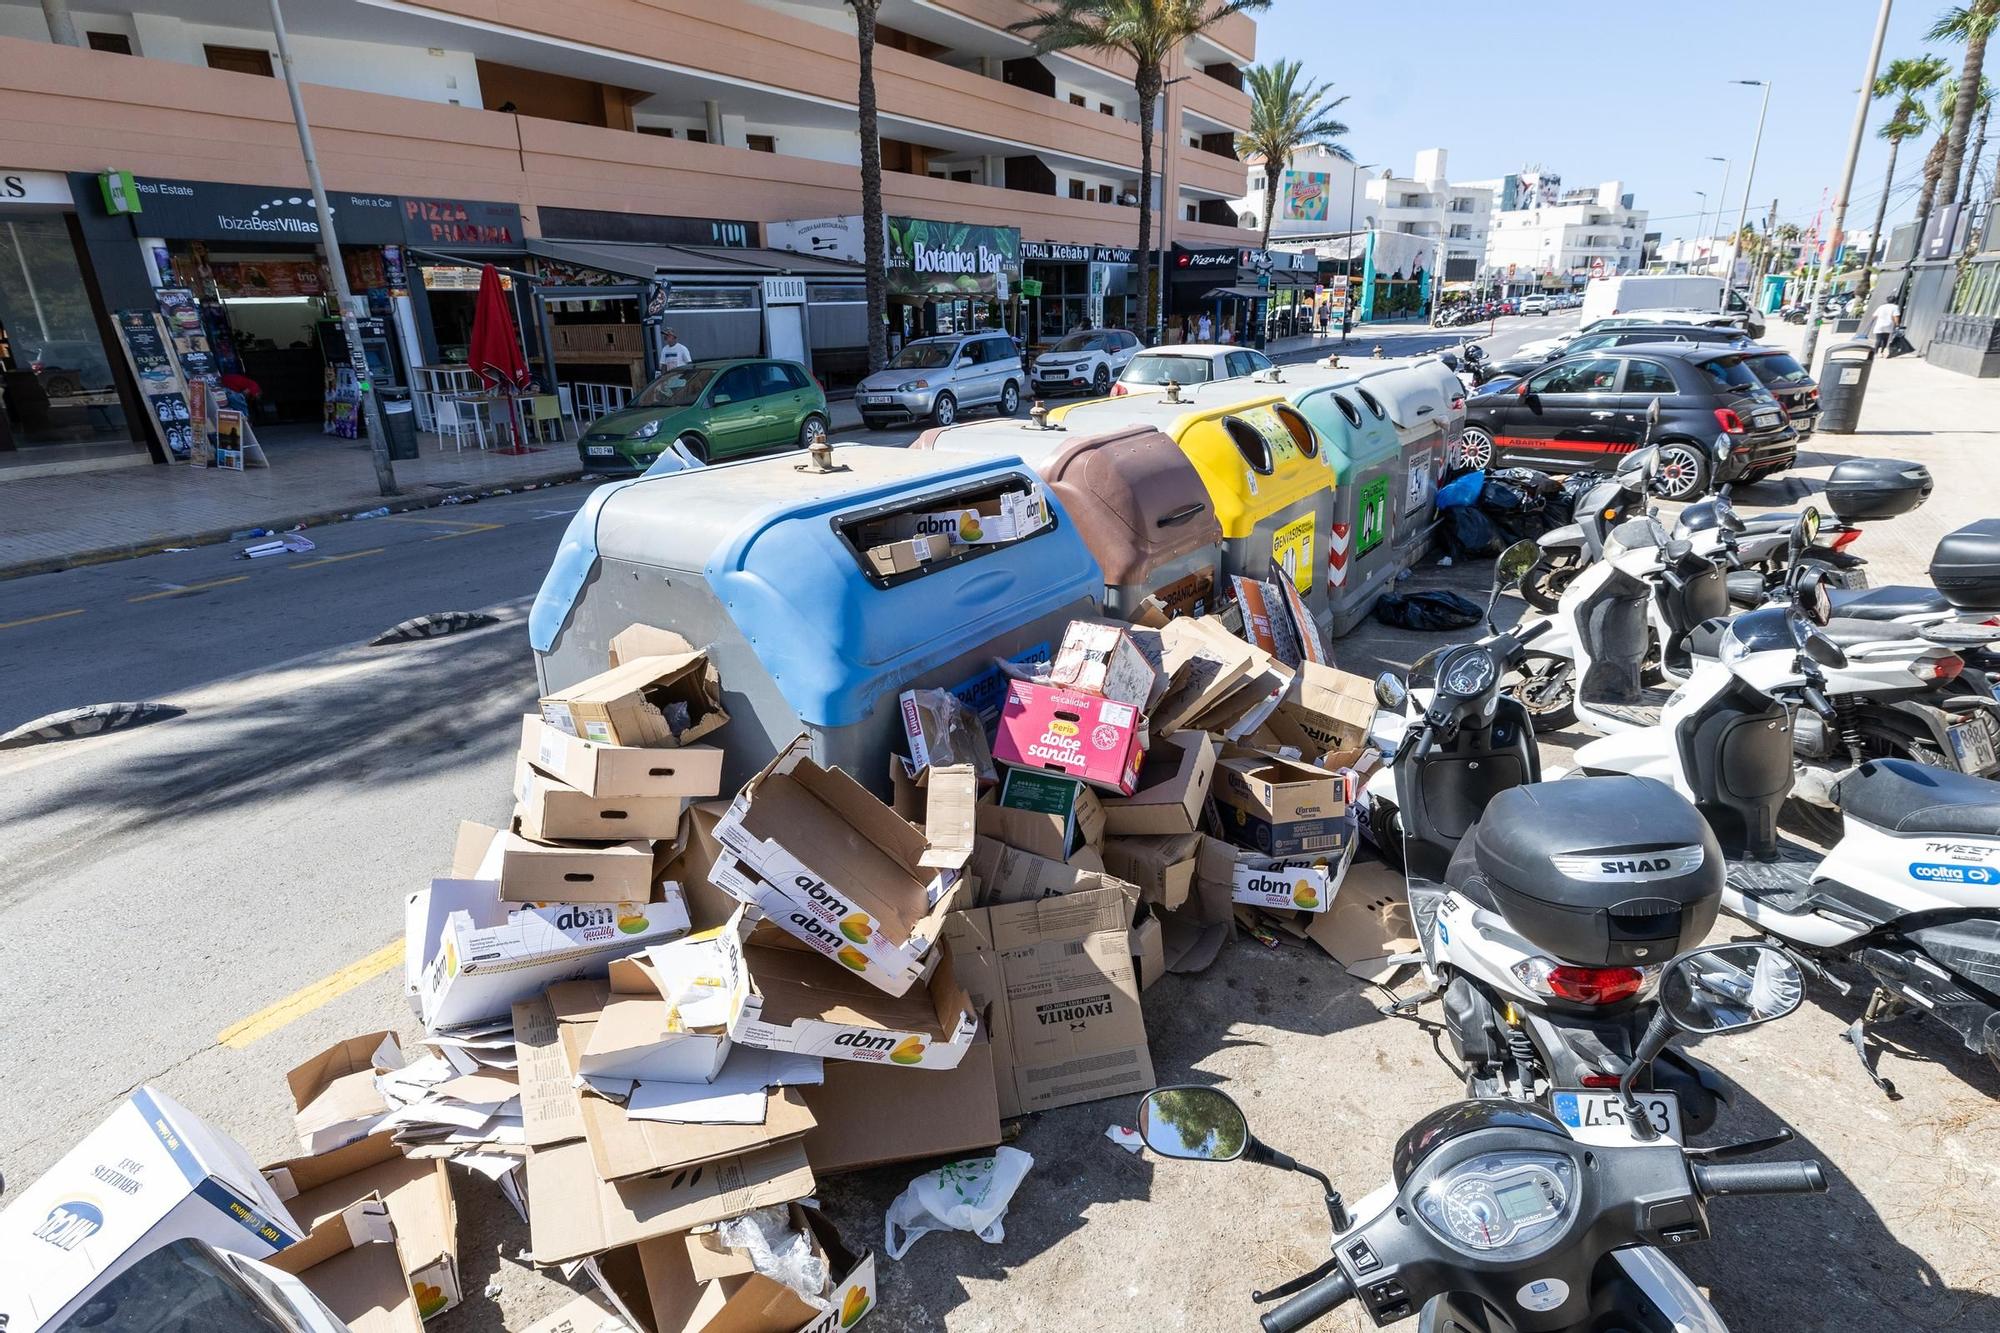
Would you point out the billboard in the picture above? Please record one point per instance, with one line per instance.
(1303, 198)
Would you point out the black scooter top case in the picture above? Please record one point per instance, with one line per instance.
(1600, 872)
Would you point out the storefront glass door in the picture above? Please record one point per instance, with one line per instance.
(56, 385)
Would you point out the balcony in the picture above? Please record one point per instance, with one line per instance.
(1207, 173)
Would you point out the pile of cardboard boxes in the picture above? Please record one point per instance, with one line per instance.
(654, 1013)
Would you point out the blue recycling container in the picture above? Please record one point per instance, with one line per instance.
(767, 564)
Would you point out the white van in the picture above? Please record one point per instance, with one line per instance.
(1606, 297)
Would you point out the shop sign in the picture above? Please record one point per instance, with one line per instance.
(1031, 287)
(38, 187)
(833, 238)
(1206, 258)
(119, 191)
(462, 222)
(1113, 254)
(1055, 252)
(456, 278)
(950, 258)
(784, 291)
(590, 224)
(214, 211)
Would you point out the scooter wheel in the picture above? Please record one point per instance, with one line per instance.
(1551, 707)
(1543, 586)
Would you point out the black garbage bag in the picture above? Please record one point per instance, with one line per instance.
(1504, 497)
(1438, 611)
(1466, 532)
(1532, 480)
(1561, 507)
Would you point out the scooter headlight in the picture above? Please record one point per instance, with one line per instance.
(1732, 649)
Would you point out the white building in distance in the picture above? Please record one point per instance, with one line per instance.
(1558, 245)
(1322, 197)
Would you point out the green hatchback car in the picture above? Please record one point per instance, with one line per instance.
(718, 409)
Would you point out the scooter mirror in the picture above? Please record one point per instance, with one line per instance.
(1823, 650)
(1653, 412)
(1514, 564)
(1450, 361)
(1390, 693)
(1729, 986)
(1806, 530)
(1813, 598)
(1195, 1124)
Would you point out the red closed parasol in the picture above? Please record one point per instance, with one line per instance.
(495, 349)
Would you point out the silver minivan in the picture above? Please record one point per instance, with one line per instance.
(939, 378)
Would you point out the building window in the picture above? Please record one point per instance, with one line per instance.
(697, 136)
(1107, 109)
(760, 143)
(663, 131)
(1250, 221)
(239, 59)
(963, 177)
(1078, 99)
(1193, 213)
(116, 42)
(1076, 189)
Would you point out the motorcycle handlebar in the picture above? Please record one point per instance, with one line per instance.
(1321, 1298)
(1759, 1178)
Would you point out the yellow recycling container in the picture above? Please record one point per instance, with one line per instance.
(1265, 467)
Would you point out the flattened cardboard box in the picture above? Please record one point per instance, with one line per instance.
(598, 770)
(669, 700)
(874, 1114)
(1062, 996)
(541, 872)
(624, 1149)
(799, 1001)
(547, 810)
(1010, 875)
(334, 1097)
(152, 1173)
(1172, 788)
(418, 1194)
(1370, 925)
(820, 856)
(572, 1213)
(349, 1262)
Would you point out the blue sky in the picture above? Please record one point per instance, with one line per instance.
(1617, 90)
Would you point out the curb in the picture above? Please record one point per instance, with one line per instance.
(103, 555)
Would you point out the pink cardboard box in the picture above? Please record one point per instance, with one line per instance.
(1066, 731)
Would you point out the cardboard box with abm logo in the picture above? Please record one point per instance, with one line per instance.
(1003, 518)
(151, 1174)
(1280, 807)
(801, 1002)
(1302, 886)
(475, 956)
(827, 862)
(1079, 735)
(697, 1284)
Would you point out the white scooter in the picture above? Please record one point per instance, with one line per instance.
(1911, 889)
(1502, 1219)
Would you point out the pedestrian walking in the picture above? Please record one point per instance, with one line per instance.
(673, 352)
(1346, 323)
(1882, 325)
(1204, 328)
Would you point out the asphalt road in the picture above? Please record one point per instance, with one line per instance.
(163, 888)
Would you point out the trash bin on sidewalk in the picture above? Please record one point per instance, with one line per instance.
(1139, 503)
(1263, 465)
(1843, 382)
(785, 575)
(399, 423)
(1367, 464)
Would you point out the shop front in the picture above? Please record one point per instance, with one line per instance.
(944, 277)
(1066, 287)
(1224, 289)
(63, 399)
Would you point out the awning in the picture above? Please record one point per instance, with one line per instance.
(645, 261)
(1236, 293)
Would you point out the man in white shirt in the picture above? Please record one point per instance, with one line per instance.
(1882, 325)
(673, 352)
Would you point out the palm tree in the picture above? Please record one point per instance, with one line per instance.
(1284, 117)
(1906, 80)
(1785, 238)
(1971, 24)
(1149, 31)
(1945, 113)
(874, 226)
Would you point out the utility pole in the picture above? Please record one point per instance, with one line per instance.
(378, 436)
(1831, 246)
(1750, 178)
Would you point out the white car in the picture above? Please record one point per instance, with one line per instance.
(1185, 364)
(1535, 304)
(1087, 360)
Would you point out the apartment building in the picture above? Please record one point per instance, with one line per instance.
(612, 157)
(1559, 238)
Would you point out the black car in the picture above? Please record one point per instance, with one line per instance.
(1613, 334)
(1717, 420)
(1789, 384)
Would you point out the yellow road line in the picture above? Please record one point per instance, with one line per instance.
(469, 530)
(472, 524)
(192, 587)
(334, 559)
(36, 620)
(306, 999)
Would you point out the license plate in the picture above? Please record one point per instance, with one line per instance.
(1599, 1117)
(599, 450)
(1973, 744)
(1764, 419)
(874, 398)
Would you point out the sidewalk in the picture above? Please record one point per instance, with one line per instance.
(86, 518)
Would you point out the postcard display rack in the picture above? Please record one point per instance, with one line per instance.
(168, 351)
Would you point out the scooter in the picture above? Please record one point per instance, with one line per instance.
(1543, 909)
(1501, 1219)
(1908, 891)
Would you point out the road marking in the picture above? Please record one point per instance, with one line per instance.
(331, 559)
(177, 590)
(467, 532)
(308, 998)
(471, 524)
(36, 620)
(541, 514)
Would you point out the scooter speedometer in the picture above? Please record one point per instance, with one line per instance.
(1502, 1205)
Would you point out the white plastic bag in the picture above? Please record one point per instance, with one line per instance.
(779, 1253)
(964, 1196)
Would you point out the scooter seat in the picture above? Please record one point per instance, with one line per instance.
(1889, 603)
(1746, 587)
(1853, 633)
(1902, 797)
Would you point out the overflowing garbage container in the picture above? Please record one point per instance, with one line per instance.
(821, 595)
(1138, 501)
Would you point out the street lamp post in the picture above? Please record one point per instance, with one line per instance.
(1831, 247)
(1750, 176)
(378, 437)
(1721, 201)
(1700, 221)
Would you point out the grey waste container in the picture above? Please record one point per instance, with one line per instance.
(399, 423)
(1843, 380)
